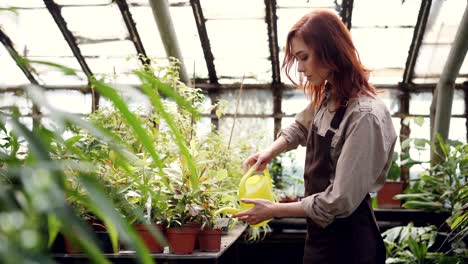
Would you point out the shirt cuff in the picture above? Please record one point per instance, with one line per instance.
(313, 211)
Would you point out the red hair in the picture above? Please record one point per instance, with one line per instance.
(328, 37)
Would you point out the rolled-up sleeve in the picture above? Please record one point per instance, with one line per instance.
(363, 159)
(296, 134)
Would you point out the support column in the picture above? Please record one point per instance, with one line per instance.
(167, 33)
(446, 86)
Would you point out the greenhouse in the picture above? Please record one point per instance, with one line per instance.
(248, 131)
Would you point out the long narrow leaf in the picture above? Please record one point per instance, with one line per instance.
(157, 103)
(167, 91)
(106, 209)
(108, 92)
(54, 228)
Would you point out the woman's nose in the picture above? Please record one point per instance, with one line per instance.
(300, 67)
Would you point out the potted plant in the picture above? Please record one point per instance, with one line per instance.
(213, 197)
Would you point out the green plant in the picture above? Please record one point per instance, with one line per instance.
(409, 244)
(50, 180)
(441, 187)
(394, 171)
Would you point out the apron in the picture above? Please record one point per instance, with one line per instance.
(354, 239)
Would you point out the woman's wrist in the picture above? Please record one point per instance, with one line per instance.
(278, 147)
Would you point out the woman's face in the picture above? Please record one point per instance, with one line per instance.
(307, 62)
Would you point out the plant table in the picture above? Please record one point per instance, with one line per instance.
(227, 241)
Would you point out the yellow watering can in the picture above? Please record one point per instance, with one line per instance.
(252, 186)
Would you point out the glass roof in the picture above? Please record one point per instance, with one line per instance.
(440, 33)
(237, 32)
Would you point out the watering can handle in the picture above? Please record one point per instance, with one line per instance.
(250, 172)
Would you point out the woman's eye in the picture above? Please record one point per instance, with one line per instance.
(304, 58)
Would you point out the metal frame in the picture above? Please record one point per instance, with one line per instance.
(270, 19)
(416, 42)
(212, 86)
(415, 88)
(346, 12)
(408, 74)
(56, 13)
(133, 31)
(207, 53)
(204, 40)
(6, 41)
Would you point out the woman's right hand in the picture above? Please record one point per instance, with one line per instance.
(258, 160)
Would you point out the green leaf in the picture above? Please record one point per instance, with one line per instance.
(157, 103)
(421, 143)
(406, 143)
(443, 146)
(167, 91)
(409, 162)
(73, 140)
(459, 220)
(419, 120)
(101, 204)
(66, 70)
(406, 120)
(54, 228)
(108, 92)
(431, 206)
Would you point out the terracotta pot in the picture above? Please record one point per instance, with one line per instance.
(69, 248)
(385, 195)
(210, 240)
(104, 243)
(150, 241)
(182, 239)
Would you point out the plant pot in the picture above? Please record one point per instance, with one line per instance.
(386, 194)
(182, 239)
(69, 248)
(153, 245)
(196, 226)
(103, 241)
(210, 240)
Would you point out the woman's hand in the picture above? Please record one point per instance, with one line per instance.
(263, 210)
(258, 160)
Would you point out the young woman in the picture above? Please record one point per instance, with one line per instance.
(349, 137)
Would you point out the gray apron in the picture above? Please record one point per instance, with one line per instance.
(354, 239)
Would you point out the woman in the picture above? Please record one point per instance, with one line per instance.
(349, 137)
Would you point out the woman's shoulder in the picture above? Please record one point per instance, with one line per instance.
(368, 106)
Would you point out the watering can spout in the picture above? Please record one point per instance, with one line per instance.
(252, 186)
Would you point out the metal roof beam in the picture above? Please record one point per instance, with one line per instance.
(270, 19)
(205, 41)
(346, 12)
(55, 11)
(415, 88)
(133, 31)
(6, 41)
(416, 42)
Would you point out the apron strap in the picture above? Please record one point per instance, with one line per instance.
(335, 123)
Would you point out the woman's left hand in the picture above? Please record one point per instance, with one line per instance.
(263, 210)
